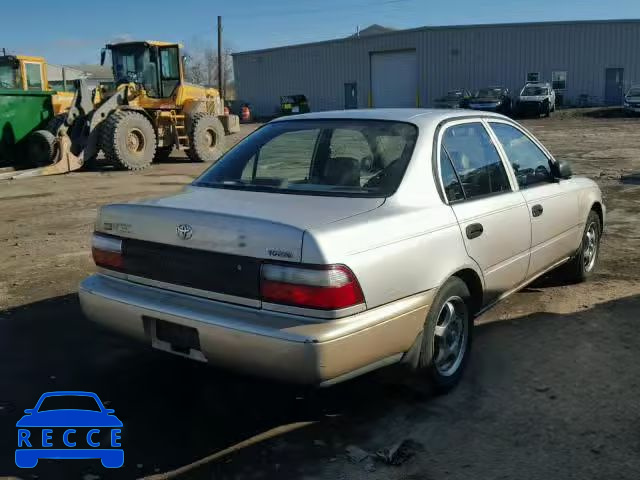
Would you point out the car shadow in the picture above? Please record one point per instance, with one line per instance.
(176, 411)
(543, 385)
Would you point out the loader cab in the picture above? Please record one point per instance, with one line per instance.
(153, 65)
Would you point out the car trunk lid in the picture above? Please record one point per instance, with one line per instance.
(216, 239)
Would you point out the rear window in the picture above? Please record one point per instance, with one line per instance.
(318, 157)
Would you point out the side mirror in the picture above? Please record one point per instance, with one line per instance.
(29, 411)
(562, 169)
(109, 411)
(103, 55)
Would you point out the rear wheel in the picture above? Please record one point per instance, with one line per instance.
(128, 140)
(206, 138)
(585, 260)
(41, 147)
(446, 339)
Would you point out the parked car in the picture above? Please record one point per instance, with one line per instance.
(536, 99)
(454, 99)
(326, 245)
(294, 104)
(632, 99)
(492, 99)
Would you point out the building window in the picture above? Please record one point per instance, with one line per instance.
(533, 77)
(559, 80)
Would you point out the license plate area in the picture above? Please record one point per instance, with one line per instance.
(175, 338)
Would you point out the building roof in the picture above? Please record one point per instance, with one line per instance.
(374, 29)
(355, 38)
(418, 116)
(94, 71)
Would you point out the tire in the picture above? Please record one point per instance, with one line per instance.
(443, 375)
(206, 138)
(128, 140)
(41, 147)
(56, 122)
(546, 110)
(584, 262)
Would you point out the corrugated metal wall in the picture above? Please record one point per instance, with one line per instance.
(448, 57)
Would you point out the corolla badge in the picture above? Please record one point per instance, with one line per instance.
(184, 231)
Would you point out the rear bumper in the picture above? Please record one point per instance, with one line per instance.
(270, 344)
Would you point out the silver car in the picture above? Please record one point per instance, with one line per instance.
(327, 245)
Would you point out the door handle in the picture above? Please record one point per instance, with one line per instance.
(474, 230)
(537, 210)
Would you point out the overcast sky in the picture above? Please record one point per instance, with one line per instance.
(67, 32)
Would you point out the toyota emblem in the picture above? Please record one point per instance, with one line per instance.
(184, 231)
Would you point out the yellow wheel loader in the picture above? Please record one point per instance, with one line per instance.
(150, 111)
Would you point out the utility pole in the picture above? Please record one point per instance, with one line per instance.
(4, 52)
(220, 85)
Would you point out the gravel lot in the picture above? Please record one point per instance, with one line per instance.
(552, 390)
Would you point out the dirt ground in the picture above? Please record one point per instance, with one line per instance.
(552, 390)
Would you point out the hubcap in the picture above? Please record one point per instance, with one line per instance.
(210, 139)
(135, 141)
(590, 247)
(450, 339)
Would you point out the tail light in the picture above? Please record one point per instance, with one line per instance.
(330, 287)
(107, 251)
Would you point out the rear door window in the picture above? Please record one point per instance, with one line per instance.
(475, 160)
(450, 181)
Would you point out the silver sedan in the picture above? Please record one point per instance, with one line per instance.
(326, 245)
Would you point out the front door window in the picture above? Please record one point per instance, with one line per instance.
(169, 70)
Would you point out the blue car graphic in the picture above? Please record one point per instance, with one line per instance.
(36, 431)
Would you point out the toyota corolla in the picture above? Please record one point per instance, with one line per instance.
(326, 245)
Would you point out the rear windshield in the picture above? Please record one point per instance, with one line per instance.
(488, 93)
(318, 157)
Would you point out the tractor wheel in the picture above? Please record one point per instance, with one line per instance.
(206, 138)
(56, 122)
(128, 140)
(41, 147)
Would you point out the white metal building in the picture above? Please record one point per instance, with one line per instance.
(93, 74)
(588, 62)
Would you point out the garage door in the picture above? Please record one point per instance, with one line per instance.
(394, 79)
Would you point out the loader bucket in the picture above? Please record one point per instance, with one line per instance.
(64, 161)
